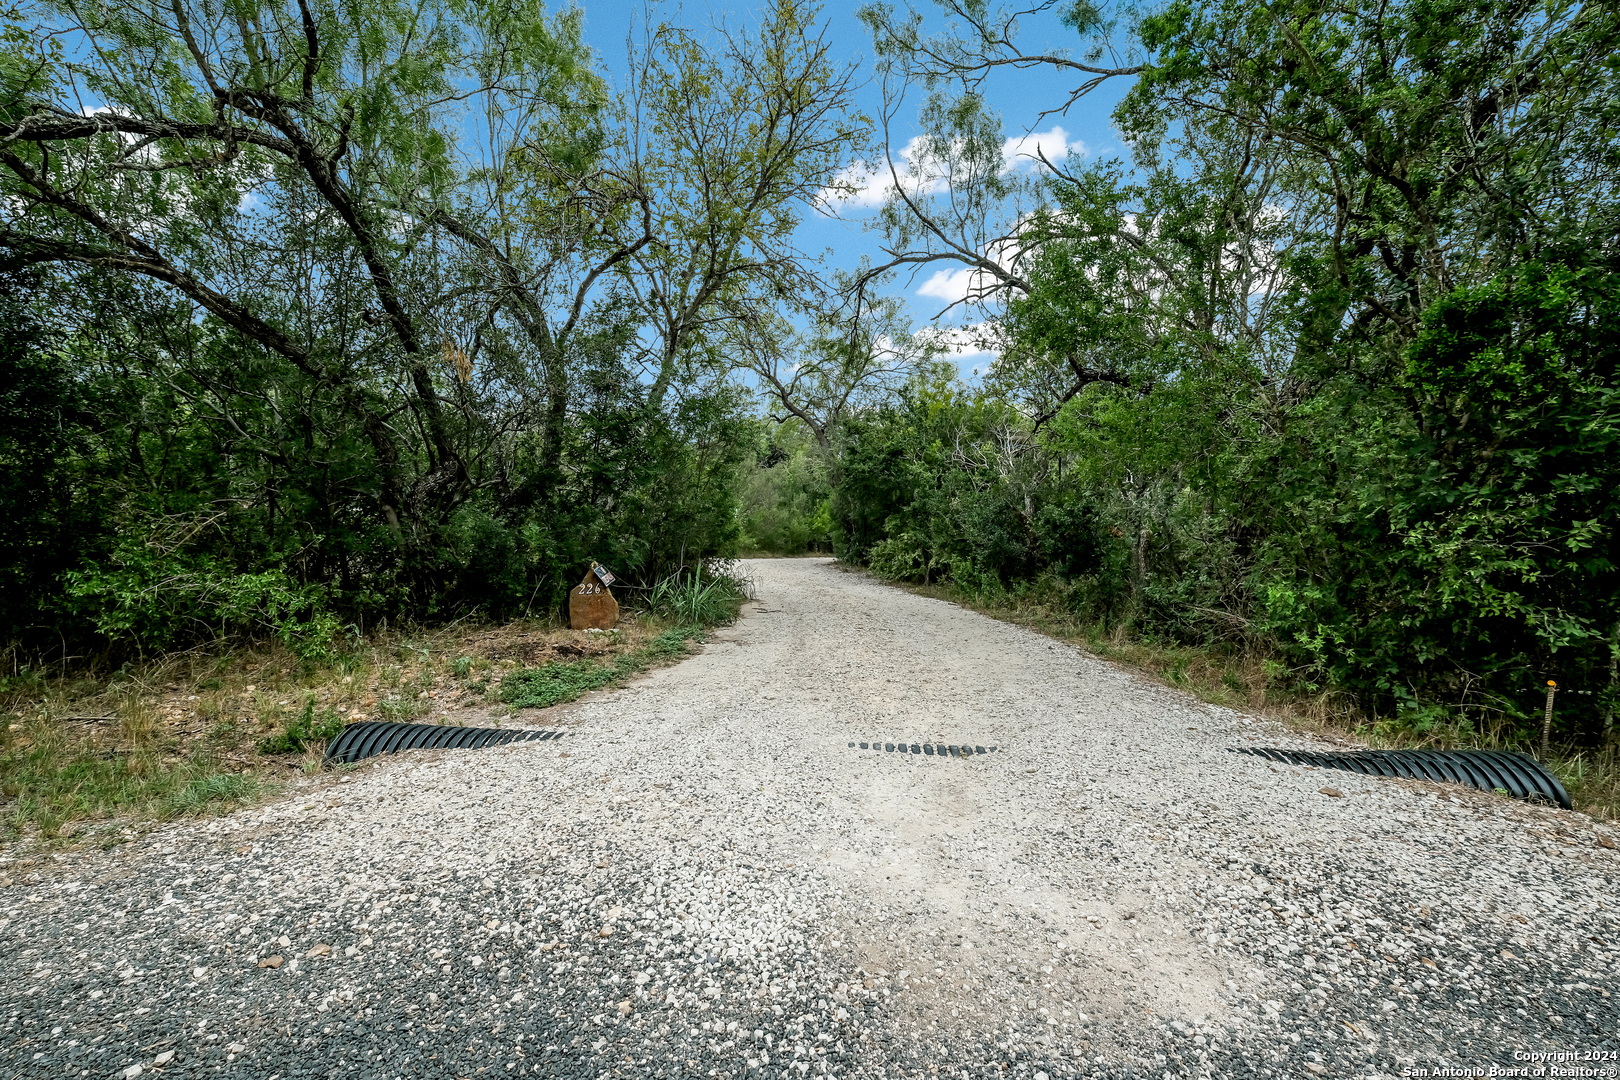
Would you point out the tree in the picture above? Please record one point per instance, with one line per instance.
(410, 312)
(740, 141)
(841, 363)
(187, 145)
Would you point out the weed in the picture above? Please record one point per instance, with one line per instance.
(671, 643)
(555, 683)
(462, 667)
(401, 710)
(304, 730)
(208, 792)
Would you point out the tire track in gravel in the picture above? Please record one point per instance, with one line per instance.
(706, 879)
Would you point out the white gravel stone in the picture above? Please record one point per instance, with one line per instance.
(706, 875)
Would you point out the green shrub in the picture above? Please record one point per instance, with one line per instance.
(146, 598)
(706, 598)
(307, 729)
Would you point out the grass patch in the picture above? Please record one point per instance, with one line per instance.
(213, 792)
(559, 682)
(53, 780)
(1253, 682)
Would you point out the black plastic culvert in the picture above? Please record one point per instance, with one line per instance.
(1520, 775)
(929, 749)
(359, 741)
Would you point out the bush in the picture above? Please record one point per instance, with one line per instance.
(698, 598)
(307, 729)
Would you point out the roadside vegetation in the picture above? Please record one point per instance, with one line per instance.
(1310, 396)
(1256, 683)
(98, 754)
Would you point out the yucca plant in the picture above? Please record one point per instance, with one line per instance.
(698, 598)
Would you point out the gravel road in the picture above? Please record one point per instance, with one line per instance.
(706, 879)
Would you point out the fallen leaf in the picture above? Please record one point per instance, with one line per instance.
(1506, 955)
(319, 950)
(270, 962)
(1332, 792)
(624, 1007)
(1604, 841)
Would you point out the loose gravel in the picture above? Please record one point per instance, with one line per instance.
(706, 878)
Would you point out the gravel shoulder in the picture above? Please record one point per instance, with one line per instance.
(704, 878)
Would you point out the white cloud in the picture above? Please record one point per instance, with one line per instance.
(1027, 150)
(861, 184)
(866, 185)
(958, 283)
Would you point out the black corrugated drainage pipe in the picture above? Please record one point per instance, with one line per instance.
(371, 737)
(1520, 775)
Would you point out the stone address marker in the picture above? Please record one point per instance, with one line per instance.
(590, 603)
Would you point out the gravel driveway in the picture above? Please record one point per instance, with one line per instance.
(706, 879)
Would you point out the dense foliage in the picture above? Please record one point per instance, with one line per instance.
(1329, 369)
(315, 314)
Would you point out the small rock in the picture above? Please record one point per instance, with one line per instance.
(1508, 955)
(270, 962)
(132, 1072)
(235, 1048)
(319, 950)
(624, 1007)
(476, 961)
(163, 1058)
(1332, 793)
(1604, 841)
(1316, 1067)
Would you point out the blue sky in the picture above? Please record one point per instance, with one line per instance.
(1019, 96)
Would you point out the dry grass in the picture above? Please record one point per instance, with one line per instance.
(87, 754)
(1257, 684)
